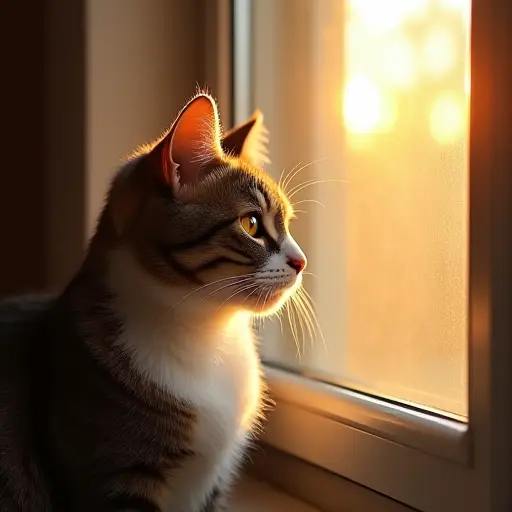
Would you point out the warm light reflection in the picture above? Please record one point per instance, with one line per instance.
(447, 119)
(397, 63)
(459, 5)
(365, 110)
(439, 52)
(467, 83)
(394, 66)
(380, 15)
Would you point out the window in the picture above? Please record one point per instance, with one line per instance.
(367, 104)
(389, 247)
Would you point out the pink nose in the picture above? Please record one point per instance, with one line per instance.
(298, 264)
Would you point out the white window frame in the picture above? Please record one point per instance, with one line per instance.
(428, 462)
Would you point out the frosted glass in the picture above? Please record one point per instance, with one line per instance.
(374, 93)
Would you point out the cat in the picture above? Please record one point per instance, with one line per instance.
(139, 387)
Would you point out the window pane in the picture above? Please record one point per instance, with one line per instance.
(374, 92)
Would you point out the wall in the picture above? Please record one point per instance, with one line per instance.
(22, 146)
(117, 82)
(85, 83)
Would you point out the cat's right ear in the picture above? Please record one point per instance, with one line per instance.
(248, 141)
(192, 147)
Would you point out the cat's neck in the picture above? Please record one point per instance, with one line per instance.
(139, 297)
(165, 334)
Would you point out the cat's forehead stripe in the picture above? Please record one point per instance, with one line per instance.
(266, 197)
(261, 199)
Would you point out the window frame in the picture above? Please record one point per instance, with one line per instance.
(424, 461)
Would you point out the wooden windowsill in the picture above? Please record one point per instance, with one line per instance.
(251, 495)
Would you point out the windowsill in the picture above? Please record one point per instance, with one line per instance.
(251, 495)
(280, 481)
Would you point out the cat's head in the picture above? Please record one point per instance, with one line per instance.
(200, 215)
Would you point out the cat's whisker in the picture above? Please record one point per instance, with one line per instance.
(292, 315)
(261, 289)
(209, 284)
(292, 174)
(298, 188)
(307, 317)
(309, 303)
(249, 296)
(245, 279)
(269, 291)
(255, 319)
(310, 316)
(296, 299)
(292, 190)
(300, 320)
(243, 289)
(234, 281)
(300, 323)
(241, 279)
(284, 175)
(279, 317)
(302, 186)
(308, 201)
(291, 321)
(289, 180)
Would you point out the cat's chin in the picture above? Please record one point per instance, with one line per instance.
(272, 303)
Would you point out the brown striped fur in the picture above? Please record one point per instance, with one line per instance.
(84, 425)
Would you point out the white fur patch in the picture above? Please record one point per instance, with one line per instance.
(289, 250)
(208, 359)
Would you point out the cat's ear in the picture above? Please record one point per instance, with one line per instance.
(248, 141)
(192, 147)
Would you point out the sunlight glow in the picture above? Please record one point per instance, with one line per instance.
(458, 5)
(397, 63)
(393, 67)
(365, 109)
(362, 105)
(388, 102)
(447, 118)
(467, 83)
(381, 15)
(439, 52)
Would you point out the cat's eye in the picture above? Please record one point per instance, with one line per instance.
(250, 224)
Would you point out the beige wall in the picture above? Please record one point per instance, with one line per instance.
(118, 72)
(143, 61)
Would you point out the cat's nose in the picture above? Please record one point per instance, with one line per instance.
(295, 258)
(298, 264)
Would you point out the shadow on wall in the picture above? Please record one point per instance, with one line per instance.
(87, 82)
(22, 260)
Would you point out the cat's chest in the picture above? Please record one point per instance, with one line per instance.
(216, 374)
(223, 389)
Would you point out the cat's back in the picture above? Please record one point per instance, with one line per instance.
(21, 316)
(24, 324)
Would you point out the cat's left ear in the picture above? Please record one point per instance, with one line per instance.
(192, 147)
(248, 141)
